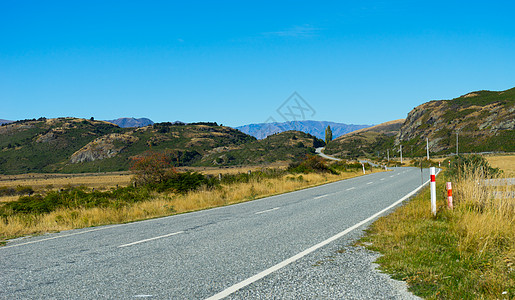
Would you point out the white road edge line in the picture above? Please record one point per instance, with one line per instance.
(350, 188)
(294, 258)
(265, 211)
(323, 196)
(151, 239)
(370, 182)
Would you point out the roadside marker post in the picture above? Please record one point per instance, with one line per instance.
(363, 165)
(449, 195)
(433, 190)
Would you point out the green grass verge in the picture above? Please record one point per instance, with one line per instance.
(424, 252)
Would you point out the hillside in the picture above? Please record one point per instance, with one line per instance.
(284, 146)
(70, 145)
(484, 120)
(80, 145)
(39, 145)
(315, 128)
(366, 142)
(131, 122)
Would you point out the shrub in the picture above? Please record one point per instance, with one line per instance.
(465, 164)
(184, 182)
(74, 198)
(152, 168)
(348, 166)
(311, 164)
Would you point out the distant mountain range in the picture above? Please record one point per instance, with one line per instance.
(131, 122)
(2, 121)
(315, 128)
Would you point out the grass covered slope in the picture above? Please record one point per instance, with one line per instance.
(73, 145)
(37, 145)
(485, 121)
(466, 253)
(284, 146)
(365, 142)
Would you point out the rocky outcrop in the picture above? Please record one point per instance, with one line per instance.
(484, 120)
(104, 147)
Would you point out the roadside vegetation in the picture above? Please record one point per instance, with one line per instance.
(465, 253)
(157, 189)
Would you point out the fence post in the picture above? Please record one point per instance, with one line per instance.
(433, 190)
(449, 195)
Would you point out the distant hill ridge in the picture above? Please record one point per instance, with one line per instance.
(131, 122)
(373, 140)
(71, 145)
(315, 128)
(2, 121)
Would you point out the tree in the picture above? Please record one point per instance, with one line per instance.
(152, 168)
(328, 134)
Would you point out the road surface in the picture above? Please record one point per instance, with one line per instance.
(286, 246)
(319, 152)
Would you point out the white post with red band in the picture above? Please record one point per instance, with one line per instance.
(449, 195)
(433, 190)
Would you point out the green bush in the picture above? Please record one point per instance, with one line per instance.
(311, 164)
(344, 166)
(74, 198)
(462, 164)
(184, 182)
(256, 175)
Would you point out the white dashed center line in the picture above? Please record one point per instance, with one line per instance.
(150, 239)
(265, 211)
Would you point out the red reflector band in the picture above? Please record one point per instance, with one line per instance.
(433, 178)
(449, 193)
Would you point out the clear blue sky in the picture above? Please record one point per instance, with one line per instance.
(236, 62)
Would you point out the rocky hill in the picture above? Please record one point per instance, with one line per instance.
(370, 141)
(484, 121)
(315, 128)
(71, 145)
(284, 146)
(43, 145)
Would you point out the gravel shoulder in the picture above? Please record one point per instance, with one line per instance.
(337, 271)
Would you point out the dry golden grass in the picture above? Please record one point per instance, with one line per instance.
(503, 162)
(487, 212)
(465, 253)
(56, 181)
(161, 205)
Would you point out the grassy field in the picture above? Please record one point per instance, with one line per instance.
(503, 162)
(160, 204)
(38, 182)
(465, 253)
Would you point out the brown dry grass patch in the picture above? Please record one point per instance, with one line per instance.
(503, 162)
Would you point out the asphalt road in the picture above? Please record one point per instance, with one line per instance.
(319, 152)
(268, 246)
